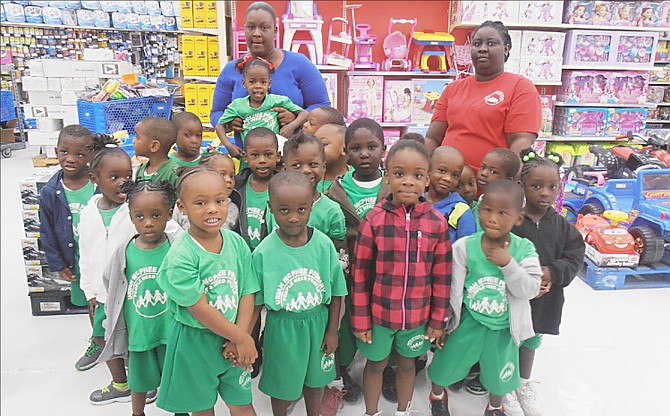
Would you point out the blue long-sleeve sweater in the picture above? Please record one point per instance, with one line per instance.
(459, 225)
(296, 77)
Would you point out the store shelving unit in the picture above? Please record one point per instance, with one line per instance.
(48, 26)
(9, 71)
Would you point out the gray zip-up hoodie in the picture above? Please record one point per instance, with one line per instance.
(114, 279)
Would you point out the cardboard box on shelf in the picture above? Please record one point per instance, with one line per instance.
(201, 56)
(49, 125)
(425, 93)
(33, 255)
(397, 101)
(204, 102)
(68, 97)
(35, 67)
(191, 98)
(50, 111)
(45, 97)
(213, 59)
(101, 54)
(42, 161)
(41, 138)
(365, 97)
(186, 13)
(31, 223)
(212, 14)
(199, 14)
(34, 83)
(7, 135)
(188, 55)
(59, 68)
(74, 84)
(53, 84)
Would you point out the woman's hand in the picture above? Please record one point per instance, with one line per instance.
(237, 124)
(67, 275)
(234, 151)
(283, 115)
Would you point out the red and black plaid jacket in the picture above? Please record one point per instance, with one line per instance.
(402, 268)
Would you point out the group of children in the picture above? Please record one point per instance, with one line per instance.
(346, 247)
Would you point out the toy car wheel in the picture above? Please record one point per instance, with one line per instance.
(7, 152)
(592, 208)
(648, 245)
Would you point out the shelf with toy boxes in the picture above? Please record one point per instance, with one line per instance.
(198, 99)
(519, 14)
(49, 294)
(201, 56)
(601, 49)
(537, 55)
(593, 121)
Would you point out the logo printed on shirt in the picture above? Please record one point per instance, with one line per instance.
(495, 98)
(257, 214)
(327, 362)
(416, 342)
(226, 296)
(245, 380)
(145, 294)
(300, 290)
(269, 119)
(487, 296)
(507, 372)
(365, 204)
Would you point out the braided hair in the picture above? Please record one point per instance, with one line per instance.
(131, 189)
(102, 146)
(531, 161)
(502, 31)
(186, 172)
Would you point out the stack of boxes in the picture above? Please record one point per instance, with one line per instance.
(199, 14)
(198, 99)
(52, 91)
(200, 56)
(49, 294)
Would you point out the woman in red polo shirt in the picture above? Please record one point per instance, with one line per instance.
(492, 109)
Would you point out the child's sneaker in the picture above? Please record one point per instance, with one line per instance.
(528, 399)
(352, 389)
(438, 407)
(407, 412)
(152, 395)
(511, 405)
(332, 399)
(475, 387)
(495, 412)
(389, 390)
(109, 394)
(90, 357)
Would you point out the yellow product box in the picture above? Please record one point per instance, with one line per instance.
(213, 60)
(212, 20)
(201, 56)
(208, 135)
(199, 14)
(188, 55)
(191, 98)
(204, 102)
(186, 13)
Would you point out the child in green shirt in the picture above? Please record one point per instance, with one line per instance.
(189, 139)
(154, 138)
(332, 137)
(302, 286)
(210, 283)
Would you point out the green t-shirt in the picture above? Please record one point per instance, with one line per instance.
(179, 162)
(167, 171)
(362, 195)
(189, 270)
(475, 212)
(145, 305)
(324, 185)
(297, 279)
(258, 117)
(326, 216)
(485, 289)
(107, 215)
(256, 203)
(76, 201)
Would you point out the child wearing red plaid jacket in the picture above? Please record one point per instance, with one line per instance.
(401, 276)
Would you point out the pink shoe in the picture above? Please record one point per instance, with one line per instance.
(332, 401)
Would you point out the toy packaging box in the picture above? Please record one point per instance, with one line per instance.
(660, 74)
(622, 120)
(331, 87)
(547, 103)
(541, 69)
(629, 87)
(544, 12)
(397, 101)
(636, 49)
(578, 12)
(512, 63)
(545, 44)
(425, 93)
(479, 11)
(584, 86)
(580, 121)
(365, 97)
(611, 259)
(589, 47)
(655, 94)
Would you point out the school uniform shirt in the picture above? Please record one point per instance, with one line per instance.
(257, 117)
(97, 243)
(498, 297)
(480, 113)
(167, 171)
(297, 279)
(563, 254)
(362, 195)
(256, 204)
(179, 162)
(119, 287)
(189, 270)
(459, 216)
(402, 268)
(326, 216)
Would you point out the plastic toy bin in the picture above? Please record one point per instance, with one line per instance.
(111, 116)
(7, 110)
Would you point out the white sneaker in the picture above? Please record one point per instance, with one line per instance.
(511, 405)
(528, 399)
(406, 412)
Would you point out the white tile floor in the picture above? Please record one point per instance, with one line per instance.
(613, 357)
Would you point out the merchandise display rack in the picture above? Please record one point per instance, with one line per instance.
(48, 26)
(6, 148)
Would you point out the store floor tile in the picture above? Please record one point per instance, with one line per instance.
(612, 358)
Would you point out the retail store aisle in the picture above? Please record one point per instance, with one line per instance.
(613, 357)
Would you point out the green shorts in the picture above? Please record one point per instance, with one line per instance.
(145, 369)
(295, 358)
(195, 371)
(472, 342)
(99, 317)
(533, 343)
(77, 296)
(346, 347)
(409, 343)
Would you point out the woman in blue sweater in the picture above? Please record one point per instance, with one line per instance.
(295, 76)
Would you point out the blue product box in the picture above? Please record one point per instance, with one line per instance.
(91, 5)
(108, 6)
(14, 13)
(85, 18)
(33, 14)
(100, 18)
(132, 21)
(52, 16)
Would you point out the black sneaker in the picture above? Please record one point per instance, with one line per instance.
(475, 387)
(495, 412)
(389, 389)
(438, 407)
(353, 390)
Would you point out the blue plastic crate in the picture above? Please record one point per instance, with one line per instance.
(7, 110)
(111, 116)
